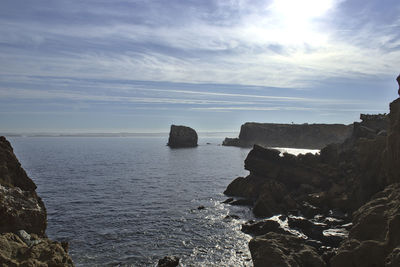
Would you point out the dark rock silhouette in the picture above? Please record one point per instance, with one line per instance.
(168, 261)
(312, 136)
(398, 81)
(11, 173)
(356, 181)
(261, 227)
(23, 219)
(182, 136)
(374, 238)
(280, 250)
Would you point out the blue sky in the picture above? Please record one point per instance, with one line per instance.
(139, 66)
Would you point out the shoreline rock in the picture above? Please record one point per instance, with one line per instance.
(344, 202)
(182, 136)
(23, 241)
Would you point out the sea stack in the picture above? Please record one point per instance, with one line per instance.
(182, 136)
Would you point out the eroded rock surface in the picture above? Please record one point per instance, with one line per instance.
(11, 172)
(23, 241)
(21, 210)
(15, 252)
(344, 202)
(374, 239)
(281, 250)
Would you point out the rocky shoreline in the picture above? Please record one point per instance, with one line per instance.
(23, 240)
(338, 208)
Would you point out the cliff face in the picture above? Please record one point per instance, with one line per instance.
(392, 153)
(23, 218)
(312, 136)
(355, 182)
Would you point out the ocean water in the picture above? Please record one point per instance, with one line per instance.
(129, 201)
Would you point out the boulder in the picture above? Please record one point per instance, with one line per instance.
(182, 136)
(374, 238)
(168, 261)
(281, 250)
(261, 227)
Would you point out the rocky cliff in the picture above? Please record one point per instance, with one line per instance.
(312, 136)
(342, 205)
(23, 241)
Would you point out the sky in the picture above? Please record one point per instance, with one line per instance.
(142, 65)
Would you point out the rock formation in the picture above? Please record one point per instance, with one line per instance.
(312, 136)
(280, 250)
(344, 202)
(168, 261)
(398, 81)
(374, 239)
(182, 136)
(23, 219)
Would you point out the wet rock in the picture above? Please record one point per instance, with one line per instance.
(232, 217)
(307, 227)
(261, 227)
(228, 200)
(182, 136)
(242, 202)
(281, 250)
(168, 261)
(201, 207)
(334, 236)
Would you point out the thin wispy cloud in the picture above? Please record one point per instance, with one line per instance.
(300, 54)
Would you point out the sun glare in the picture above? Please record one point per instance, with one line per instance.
(297, 11)
(294, 21)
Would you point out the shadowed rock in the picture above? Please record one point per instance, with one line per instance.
(23, 241)
(398, 81)
(182, 136)
(281, 250)
(375, 236)
(11, 172)
(360, 176)
(168, 261)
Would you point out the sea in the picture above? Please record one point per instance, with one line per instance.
(130, 201)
